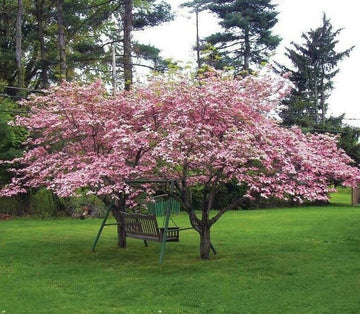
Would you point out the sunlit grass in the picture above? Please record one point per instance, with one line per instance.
(289, 260)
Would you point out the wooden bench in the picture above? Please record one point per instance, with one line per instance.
(145, 227)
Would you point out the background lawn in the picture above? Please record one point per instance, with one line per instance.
(289, 260)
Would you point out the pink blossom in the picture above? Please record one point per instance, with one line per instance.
(208, 132)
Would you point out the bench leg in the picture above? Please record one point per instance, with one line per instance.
(145, 242)
(212, 248)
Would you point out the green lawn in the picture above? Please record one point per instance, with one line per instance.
(290, 260)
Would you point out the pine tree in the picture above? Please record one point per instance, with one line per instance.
(314, 68)
(247, 39)
(64, 39)
(197, 6)
(138, 15)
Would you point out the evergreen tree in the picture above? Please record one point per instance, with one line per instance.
(314, 68)
(138, 15)
(65, 39)
(52, 36)
(197, 6)
(247, 38)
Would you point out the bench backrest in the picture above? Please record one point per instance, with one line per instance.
(141, 226)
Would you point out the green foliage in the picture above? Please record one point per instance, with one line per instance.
(75, 206)
(228, 193)
(152, 54)
(211, 57)
(11, 137)
(349, 141)
(40, 48)
(151, 13)
(247, 39)
(38, 203)
(44, 204)
(197, 5)
(13, 206)
(7, 40)
(88, 26)
(314, 68)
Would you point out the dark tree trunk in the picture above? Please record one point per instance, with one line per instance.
(205, 243)
(61, 38)
(316, 96)
(113, 53)
(322, 95)
(117, 209)
(18, 44)
(127, 24)
(198, 60)
(44, 80)
(247, 51)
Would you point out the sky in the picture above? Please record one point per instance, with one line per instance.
(176, 39)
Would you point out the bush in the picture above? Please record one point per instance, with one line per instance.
(40, 202)
(224, 197)
(11, 205)
(84, 205)
(45, 204)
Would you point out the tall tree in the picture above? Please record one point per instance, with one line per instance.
(61, 37)
(198, 6)
(135, 16)
(42, 12)
(19, 42)
(314, 67)
(127, 19)
(247, 38)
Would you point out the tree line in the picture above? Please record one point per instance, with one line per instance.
(46, 41)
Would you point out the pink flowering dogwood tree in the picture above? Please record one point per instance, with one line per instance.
(200, 133)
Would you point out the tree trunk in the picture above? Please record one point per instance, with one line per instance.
(205, 225)
(61, 38)
(322, 96)
(205, 243)
(316, 100)
(247, 51)
(197, 38)
(18, 43)
(117, 209)
(44, 81)
(127, 25)
(113, 53)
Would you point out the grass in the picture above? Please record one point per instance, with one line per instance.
(289, 260)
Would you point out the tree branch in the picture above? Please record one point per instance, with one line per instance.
(222, 211)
